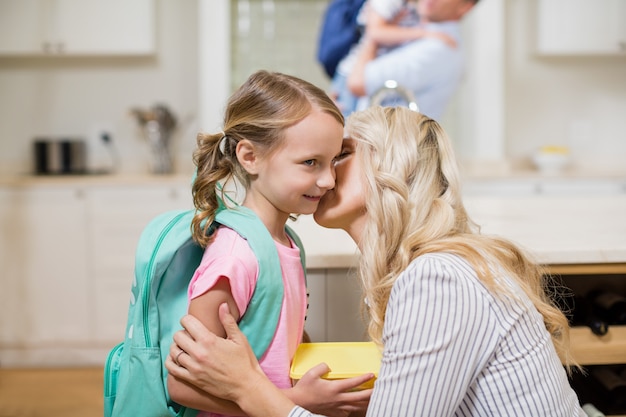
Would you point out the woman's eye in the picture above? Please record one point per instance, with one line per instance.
(344, 153)
(309, 162)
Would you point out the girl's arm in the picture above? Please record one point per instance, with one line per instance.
(205, 309)
(388, 33)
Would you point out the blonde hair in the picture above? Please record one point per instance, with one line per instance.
(414, 207)
(259, 111)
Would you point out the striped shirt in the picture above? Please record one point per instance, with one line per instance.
(451, 348)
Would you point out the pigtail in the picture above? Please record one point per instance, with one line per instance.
(213, 158)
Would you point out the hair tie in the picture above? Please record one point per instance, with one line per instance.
(222, 144)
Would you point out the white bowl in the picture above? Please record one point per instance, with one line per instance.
(550, 162)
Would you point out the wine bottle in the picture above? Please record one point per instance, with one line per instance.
(613, 385)
(610, 306)
(583, 315)
(592, 411)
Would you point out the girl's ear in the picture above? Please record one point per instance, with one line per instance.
(247, 156)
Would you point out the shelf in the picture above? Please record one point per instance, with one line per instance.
(587, 269)
(589, 349)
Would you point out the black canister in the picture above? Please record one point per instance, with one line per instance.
(55, 157)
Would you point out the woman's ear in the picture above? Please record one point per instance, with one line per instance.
(247, 156)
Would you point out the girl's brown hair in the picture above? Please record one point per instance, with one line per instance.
(259, 111)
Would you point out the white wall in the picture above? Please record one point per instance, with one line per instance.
(577, 101)
(61, 96)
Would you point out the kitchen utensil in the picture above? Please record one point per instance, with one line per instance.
(60, 156)
(551, 159)
(158, 124)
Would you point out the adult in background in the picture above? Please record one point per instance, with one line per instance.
(431, 67)
(388, 24)
(463, 320)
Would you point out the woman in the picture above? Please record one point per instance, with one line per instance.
(465, 325)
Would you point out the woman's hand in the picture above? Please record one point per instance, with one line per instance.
(225, 368)
(334, 398)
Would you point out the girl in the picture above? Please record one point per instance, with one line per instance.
(463, 319)
(281, 135)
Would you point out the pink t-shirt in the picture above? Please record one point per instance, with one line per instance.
(230, 256)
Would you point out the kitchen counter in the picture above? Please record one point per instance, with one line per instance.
(557, 230)
(93, 179)
(564, 219)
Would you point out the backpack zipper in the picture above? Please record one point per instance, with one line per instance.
(147, 285)
(107, 368)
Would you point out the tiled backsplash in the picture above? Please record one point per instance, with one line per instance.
(277, 35)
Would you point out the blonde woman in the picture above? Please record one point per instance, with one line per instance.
(463, 320)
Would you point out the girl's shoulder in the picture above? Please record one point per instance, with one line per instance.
(229, 243)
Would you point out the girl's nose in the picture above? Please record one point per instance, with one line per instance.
(327, 178)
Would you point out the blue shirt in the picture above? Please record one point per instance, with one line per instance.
(428, 67)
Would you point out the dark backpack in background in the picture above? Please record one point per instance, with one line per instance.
(338, 33)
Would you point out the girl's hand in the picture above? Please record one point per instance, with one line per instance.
(333, 398)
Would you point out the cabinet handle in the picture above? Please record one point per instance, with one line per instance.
(622, 46)
(47, 47)
(60, 47)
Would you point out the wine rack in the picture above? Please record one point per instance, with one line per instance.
(587, 348)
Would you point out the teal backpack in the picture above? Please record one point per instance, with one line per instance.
(135, 378)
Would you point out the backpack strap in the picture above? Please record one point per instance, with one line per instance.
(261, 317)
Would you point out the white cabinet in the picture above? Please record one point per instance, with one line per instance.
(117, 218)
(77, 27)
(53, 245)
(67, 254)
(334, 306)
(10, 285)
(581, 27)
(21, 26)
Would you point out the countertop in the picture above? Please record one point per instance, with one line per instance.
(556, 230)
(26, 180)
(567, 219)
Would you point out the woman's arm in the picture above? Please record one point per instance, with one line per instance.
(439, 333)
(205, 308)
(225, 368)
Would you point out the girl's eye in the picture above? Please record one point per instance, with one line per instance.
(309, 162)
